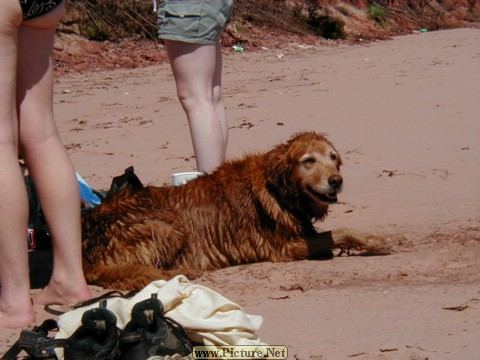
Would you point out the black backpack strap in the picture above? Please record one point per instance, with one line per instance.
(127, 179)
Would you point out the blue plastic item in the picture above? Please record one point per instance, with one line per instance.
(86, 193)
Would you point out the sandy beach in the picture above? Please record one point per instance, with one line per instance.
(405, 116)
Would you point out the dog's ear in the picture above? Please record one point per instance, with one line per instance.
(280, 176)
(278, 167)
(281, 161)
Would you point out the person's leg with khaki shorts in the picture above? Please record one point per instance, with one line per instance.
(191, 31)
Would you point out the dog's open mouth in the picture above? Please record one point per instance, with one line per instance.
(328, 198)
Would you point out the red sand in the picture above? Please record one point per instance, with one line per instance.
(404, 113)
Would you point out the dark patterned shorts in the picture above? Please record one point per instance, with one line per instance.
(34, 8)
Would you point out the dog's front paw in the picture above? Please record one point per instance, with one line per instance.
(351, 242)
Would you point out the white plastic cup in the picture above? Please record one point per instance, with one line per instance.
(183, 177)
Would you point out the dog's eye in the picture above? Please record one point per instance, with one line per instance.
(309, 160)
(333, 156)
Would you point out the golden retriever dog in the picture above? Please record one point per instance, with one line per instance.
(259, 208)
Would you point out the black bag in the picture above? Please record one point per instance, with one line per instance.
(39, 240)
(40, 257)
(38, 233)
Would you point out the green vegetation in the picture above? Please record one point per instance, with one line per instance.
(378, 15)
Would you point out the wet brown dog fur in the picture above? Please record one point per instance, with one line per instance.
(259, 208)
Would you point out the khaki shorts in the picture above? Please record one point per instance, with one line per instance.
(199, 22)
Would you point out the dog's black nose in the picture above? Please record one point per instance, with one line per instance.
(335, 181)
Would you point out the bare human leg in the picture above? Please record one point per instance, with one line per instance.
(26, 122)
(15, 304)
(197, 70)
(49, 164)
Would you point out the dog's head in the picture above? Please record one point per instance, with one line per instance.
(305, 173)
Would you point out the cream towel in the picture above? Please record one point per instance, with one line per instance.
(207, 317)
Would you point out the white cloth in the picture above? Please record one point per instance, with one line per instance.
(208, 317)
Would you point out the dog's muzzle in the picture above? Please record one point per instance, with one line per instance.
(335, 183)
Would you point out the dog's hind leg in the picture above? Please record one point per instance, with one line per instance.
(129, 277)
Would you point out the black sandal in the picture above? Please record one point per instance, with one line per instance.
(96, 338)
(36, 342)
(150, 333)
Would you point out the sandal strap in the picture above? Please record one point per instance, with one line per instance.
(39, 347)
(130, 337)
(36, 342)
(108, 295)
(13, 352)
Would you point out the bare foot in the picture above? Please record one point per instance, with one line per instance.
(62, 295)
(14, 316)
